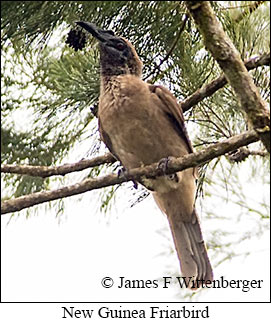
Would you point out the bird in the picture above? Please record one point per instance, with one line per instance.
(141, 124)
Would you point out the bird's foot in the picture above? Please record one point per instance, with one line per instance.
(123, 173)
(163, 166)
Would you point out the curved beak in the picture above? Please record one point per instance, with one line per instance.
(100, 34)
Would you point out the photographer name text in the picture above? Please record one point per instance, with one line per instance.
(244, 285)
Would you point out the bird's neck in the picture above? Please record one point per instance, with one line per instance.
(108, 83)
(110, 74)
(113, 69)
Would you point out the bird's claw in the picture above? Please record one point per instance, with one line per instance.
(163, 166)
(123, 173)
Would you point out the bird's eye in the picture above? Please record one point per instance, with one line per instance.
(120, 46)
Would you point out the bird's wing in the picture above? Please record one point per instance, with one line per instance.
(173, 111)
(106, 139)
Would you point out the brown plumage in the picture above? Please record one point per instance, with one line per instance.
(141, 124)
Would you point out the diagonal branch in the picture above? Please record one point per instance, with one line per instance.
(229, 60)
(175, 164)
(209, 89)
(46, 171)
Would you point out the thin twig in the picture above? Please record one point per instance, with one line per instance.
(47, 171)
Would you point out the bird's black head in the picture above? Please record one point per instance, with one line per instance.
(118, 56)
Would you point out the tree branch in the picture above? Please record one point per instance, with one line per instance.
(215, 85)
(46, 171)
(228, 58)
(175, 164)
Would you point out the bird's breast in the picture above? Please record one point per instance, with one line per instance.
(137, 128)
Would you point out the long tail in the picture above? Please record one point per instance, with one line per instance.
(191, 249)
